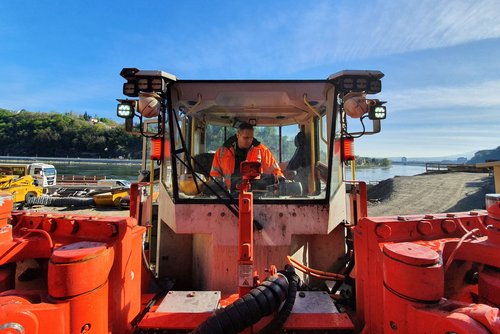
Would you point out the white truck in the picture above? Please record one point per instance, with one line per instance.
(44, 174)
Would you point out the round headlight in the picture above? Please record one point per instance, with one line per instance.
(149, 104)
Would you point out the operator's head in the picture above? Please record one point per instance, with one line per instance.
(245, 135)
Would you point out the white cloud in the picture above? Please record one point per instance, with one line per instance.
(416, 25)
(327, 32)
(438, 121)
(481, 95)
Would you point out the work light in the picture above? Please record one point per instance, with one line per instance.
(157, 84)
(142, 84)
(125, 109)
(377, 112)
(129, 88)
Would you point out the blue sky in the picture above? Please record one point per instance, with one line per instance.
(441, 58)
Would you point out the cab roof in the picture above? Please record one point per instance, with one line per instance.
(268, 102)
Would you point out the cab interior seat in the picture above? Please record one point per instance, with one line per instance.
(203, 163)
(299, 162)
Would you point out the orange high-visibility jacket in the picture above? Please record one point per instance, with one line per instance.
(224, 160)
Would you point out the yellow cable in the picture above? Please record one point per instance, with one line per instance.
(353, 169)
(151, 189)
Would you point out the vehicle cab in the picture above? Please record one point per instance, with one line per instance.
(44, 174)
(302, 122)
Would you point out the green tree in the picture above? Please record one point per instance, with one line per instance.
(55, 134)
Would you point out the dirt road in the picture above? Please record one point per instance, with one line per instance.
(429, 193)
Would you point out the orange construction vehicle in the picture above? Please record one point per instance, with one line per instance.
(269, 255)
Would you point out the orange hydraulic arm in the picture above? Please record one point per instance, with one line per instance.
(249, 171)
(89, 269)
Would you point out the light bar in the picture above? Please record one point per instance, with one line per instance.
(367, 85)
(144, 84)
(145, 81)
(358, 81)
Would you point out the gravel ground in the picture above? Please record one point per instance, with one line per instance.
(429, 193)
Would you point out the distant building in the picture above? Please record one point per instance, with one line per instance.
(461, 160)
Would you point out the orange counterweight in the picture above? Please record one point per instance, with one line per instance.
(415, 274)
(89, 273)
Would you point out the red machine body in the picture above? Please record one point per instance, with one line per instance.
(414, 274)
(418, 274)
(85, 273)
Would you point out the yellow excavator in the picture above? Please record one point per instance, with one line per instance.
(21, 187)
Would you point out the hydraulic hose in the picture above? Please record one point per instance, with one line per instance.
(286, 309)
(249, 309)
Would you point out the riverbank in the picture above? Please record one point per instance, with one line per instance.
(429, 193)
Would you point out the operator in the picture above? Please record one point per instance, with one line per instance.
(238, 148)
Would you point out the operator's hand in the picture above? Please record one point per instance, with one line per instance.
(281, 179)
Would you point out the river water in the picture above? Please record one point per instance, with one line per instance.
(379, 174)
(130, 172)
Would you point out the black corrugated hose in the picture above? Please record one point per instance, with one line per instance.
(258, 303)
(286, 309)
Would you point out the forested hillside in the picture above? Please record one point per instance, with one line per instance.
(53, 134)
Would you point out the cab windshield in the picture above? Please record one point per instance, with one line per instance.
(294, 121)
(49, 171)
